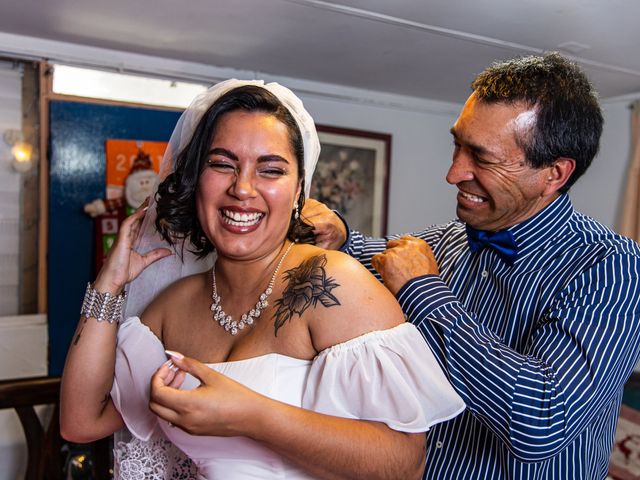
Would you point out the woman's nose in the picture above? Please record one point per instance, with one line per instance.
(243, 185)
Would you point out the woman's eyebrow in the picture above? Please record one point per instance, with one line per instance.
(272, 158)
(224, 152)
(261, 159)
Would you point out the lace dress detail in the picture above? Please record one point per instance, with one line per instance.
(155, 459)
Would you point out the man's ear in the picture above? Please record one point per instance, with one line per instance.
(559, 173)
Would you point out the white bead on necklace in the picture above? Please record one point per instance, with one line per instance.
(233, 326)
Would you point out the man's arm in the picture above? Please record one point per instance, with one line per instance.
(583, 349)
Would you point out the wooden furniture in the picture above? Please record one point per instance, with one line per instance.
(44, 443)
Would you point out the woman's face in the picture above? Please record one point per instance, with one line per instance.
(248, 185)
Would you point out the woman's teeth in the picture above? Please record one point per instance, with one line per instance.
(239, 219)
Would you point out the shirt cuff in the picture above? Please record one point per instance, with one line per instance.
(429, 296)
(345, 246)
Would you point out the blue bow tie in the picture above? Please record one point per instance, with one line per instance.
(502, 242)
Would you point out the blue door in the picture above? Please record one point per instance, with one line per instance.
(77, 176)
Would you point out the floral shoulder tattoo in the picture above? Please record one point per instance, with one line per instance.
(307, 284)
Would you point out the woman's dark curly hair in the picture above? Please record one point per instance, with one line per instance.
(177, 218)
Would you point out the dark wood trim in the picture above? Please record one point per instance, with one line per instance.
(44, 443)
(104, 101)
(45, 80)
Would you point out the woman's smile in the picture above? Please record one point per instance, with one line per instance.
(240, 220)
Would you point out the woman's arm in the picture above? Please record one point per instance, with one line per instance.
(86, 410)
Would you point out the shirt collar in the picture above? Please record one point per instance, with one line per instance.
(544, 225)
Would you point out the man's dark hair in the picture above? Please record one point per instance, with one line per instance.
(568, 116)
(177, 218)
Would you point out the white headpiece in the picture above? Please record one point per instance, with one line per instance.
(160, 274)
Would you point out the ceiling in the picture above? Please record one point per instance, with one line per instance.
(421, 48)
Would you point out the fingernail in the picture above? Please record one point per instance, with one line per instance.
(169, 363)
(176, 355)
(173, 368)
(145, 208)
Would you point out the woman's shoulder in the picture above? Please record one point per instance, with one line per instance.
(175, 298)
(344, 298)
(334, 267)
(331, 260)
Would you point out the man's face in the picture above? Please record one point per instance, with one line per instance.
(496, 188)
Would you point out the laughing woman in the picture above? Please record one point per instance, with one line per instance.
(308, 367)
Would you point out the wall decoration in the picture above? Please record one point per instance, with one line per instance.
(131, 176)
(352, 176)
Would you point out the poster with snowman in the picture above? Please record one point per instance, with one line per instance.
(132, 168)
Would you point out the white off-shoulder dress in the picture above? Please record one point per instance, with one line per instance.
(387, 376)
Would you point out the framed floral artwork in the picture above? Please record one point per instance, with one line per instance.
(352, 176)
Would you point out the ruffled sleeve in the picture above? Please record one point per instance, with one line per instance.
(389, 376)
(138, 355)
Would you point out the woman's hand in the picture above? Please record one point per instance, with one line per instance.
(123, 263)
(219, 406)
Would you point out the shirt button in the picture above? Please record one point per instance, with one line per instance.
(438, 444)
(484, 274)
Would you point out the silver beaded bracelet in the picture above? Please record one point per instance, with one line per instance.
(102, 306)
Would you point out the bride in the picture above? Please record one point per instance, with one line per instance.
(308, 368)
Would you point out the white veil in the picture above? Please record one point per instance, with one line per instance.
(164, 272)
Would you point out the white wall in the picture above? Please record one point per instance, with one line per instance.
(599, 192)
(420, 156)
(10, 186)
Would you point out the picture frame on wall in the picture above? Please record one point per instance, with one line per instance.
(352, 176)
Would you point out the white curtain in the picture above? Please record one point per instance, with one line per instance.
(629, 224)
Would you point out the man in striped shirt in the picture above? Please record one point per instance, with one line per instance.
(531, 307)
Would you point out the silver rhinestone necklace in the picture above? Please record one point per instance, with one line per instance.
(233, 326)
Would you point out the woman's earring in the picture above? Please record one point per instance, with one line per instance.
(296, 215)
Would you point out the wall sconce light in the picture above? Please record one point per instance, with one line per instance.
(21, 151)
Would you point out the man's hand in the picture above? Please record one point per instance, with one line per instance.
(405, 258)
(329, 229)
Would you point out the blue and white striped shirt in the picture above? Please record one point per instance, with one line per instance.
(539, 350)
